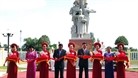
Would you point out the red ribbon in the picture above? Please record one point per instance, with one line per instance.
(13, 58)
(84, 56)
(121, 58)
(98, 56)
(109, 58)
(40, 59)
(71, 56)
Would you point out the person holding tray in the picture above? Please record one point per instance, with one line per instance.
(97, 57)
(43, 61)
(12, 59)
(71, 61)
(122, 61)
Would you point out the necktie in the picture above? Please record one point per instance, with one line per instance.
(84, 50)
(59, 53)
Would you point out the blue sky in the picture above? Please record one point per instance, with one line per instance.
(113, 18)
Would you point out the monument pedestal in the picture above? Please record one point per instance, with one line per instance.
(78, 43)
(79, 30)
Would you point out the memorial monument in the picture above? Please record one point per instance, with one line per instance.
(80, 18)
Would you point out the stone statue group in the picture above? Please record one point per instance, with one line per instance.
(80, 17)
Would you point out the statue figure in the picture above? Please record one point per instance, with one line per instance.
(86, 12)
(73, 29)
(74, 11)
(81, 2)
(81, 25)
(80, 17)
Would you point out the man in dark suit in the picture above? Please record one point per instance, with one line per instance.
(83, 61)
(59, 61)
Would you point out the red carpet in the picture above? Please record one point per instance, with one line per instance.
(51, 74)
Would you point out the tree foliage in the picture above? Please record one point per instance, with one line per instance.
(29, 41)
(35, 42)
(0, 45)
(44, 38)
(93, 39)
(98, 40)
(133, 49)
(92, 36)
(114, 49)
(121, 39)
(5, 46)
(54, 46)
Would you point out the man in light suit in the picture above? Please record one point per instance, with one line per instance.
(59, 61)
(83, 62)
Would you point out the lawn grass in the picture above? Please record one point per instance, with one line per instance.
(4, 68)
(132, 69)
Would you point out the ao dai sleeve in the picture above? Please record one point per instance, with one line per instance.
(36, 55)
(104, 54)
(26, 57)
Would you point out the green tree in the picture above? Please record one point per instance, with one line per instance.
(36, 42)
(5, 47)
(92, 36)
(0, 45)
(114, 49)
(30, 41)
(43, 38)
(133, 49)
(98, 40)
(93, 39)
(121, 39)
(54, 46)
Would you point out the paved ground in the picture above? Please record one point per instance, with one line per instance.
(51, 74)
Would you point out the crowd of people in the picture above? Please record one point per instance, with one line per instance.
(60, 55)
